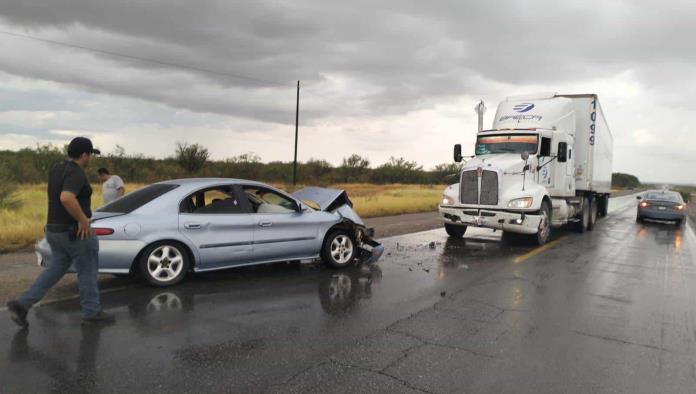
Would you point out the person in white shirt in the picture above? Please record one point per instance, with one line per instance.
(112, 185)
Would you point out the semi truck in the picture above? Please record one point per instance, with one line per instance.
(545, 163)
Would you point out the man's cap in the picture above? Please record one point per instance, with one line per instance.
(80, 145)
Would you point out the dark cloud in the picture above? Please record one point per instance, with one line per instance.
(376, 62)
(393, 56)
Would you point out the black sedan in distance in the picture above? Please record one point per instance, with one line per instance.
(661, 205)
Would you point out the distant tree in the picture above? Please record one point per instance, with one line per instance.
(354, 168)
(247, 165)
(399, 170)
(45, 156)
(446, 173)
(192, 157)
(624, 181)
(316, 170)
(7, 190)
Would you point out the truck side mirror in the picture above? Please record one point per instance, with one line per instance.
(457, 153)
(562, 152)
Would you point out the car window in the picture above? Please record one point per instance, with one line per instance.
(664, 196)
(264, 200)
(215, 200)
(136, 199)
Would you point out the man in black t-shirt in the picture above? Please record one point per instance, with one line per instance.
(70, 237)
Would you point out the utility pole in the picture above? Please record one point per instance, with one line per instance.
(297, 122)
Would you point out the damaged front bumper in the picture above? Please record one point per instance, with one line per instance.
(515, 222)
(369, 250)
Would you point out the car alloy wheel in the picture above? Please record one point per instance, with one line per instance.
(164, 264)
(342, 249)
(339, 249)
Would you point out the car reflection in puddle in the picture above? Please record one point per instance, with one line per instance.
(252, 292)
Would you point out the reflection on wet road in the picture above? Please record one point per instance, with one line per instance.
(608, 311)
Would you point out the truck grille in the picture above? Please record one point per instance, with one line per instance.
(469, 192)
(489, 188)
(468, 187)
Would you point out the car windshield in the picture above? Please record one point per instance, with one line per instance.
(506, 143)
(663, 196)
(134, 200)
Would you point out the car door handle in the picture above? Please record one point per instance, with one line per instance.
(265, 223)
(192, 226)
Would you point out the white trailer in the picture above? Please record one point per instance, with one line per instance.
(546, 162)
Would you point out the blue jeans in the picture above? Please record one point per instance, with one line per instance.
(84, 254)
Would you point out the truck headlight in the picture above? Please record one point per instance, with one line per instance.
(521, 203)
(446, 200)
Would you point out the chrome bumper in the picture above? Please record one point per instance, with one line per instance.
(515, 222)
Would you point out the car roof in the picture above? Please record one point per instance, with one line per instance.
(194, 182)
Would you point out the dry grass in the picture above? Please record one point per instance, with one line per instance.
(22, 227)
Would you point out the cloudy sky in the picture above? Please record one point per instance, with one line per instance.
(387, 78)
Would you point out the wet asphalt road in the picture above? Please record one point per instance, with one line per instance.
(613, 310)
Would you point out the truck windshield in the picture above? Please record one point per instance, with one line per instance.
(506, 143)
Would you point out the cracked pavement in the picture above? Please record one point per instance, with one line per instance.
(607, 311)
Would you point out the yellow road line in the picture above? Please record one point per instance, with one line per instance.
(536, 251)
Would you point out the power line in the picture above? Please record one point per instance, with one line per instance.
(147, 60)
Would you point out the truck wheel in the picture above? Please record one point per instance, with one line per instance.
(593, 215)
(544, 232)
(582, 225)
(455, 231)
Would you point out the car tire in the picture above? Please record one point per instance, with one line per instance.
(582, 225)
(544, 233)
(455, 231)
(639, 219)
(593, 214)
(679, 222)
(339, 249)
(164, 263)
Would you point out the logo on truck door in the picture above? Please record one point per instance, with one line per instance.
(524, 107)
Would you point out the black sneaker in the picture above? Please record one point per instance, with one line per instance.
(101, 317)
(18, 313)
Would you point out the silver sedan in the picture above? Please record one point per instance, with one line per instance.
(165, 230)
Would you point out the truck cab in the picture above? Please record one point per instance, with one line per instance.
(523, 175)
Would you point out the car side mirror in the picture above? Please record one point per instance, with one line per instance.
(525, 156)
(639, 198)
(562, 152)
(457, 153)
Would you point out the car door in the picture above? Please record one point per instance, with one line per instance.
(280, 232)
(218, 221)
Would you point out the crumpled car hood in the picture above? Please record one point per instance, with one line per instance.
(330, 200)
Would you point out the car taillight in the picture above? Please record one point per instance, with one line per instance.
(103, 231)
(643, 204)
(679, 207)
